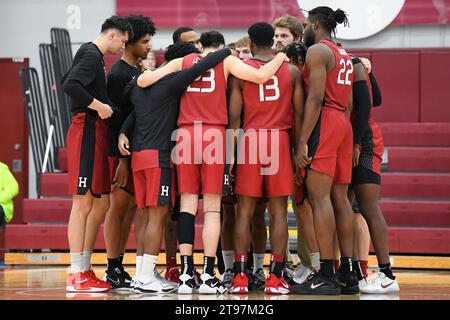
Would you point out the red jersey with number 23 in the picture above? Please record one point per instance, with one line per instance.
(204, 99)
(269, 105)
(339, 79)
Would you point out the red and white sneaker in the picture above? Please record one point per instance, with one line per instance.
(172, 274)
(91, 274)
(82, 282)
(239, 284)
(276, 285)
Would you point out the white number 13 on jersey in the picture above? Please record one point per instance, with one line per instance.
(210, 79)
(263, 88)
(347, 72)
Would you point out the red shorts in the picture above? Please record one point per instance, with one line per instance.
(87, 153)
(278, 180)
(113, 164)
(154, 183)
(201, 164)
(331, 146)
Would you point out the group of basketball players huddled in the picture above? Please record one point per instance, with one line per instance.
(284, 112)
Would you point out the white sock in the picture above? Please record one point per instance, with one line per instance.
(315, 260)
(148, 268)
(228, 259)
(258, 261)
(87, 259)
(76, 262)
(139, 260)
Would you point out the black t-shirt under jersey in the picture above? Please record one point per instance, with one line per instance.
(119, 76)
(86, 79)
(156, 107)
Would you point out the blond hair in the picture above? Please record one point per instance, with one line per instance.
(243, 42)
(291, 23)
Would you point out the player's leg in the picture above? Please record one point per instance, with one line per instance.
(259, 239)
(113, 237)
(81, 206)
(170, 240)
(210, 237)
(275, 283)
(227, 241)
(186, 236)
(96, 217)
(242, 238)
(325, 281)
(344, 227)
(367, 196)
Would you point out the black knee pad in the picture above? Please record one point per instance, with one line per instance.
(186, 228)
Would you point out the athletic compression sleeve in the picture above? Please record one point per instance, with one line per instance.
(376, 92)
(361, 98)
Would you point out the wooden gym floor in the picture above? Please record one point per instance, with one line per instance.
(48, 283)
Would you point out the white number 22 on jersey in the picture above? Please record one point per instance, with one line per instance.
(347, 72)
(210, 79)
(266, 87)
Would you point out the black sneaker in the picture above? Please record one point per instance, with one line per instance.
(317, 284)
(116, 279)
(349, 282)
(257, 281)
(187, 284)
(126, 275)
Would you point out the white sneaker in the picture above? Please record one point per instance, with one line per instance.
(211, 285)
(153, 285)
(381, 284)
(301, 274)
(187, 284)
(363, 283)
(161, 278)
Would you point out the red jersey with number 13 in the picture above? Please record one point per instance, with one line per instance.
(339, 79)
(269, 105)
(204, 99)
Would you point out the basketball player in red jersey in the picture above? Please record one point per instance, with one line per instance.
(204, 175)
(325, 147)
(268, 116)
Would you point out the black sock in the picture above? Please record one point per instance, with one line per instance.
(326, 268)
(386, 269)
(113, 264)
(276, 268)
(346, 265)
(208, 265)
(357, 268)
(239, 265)
(121, 259)
(187, 265)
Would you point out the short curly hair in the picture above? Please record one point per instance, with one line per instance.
(141, 25)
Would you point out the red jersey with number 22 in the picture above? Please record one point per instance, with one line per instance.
(339, 79)
(204, 99)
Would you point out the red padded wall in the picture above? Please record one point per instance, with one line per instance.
(397, 73)
(434, 86)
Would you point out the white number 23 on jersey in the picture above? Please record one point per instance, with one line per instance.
(205, 78)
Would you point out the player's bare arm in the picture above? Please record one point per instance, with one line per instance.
(150, 77)
(243, 71)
